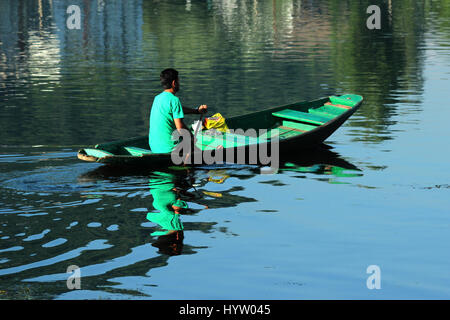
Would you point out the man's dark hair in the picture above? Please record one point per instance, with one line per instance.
(167, 76)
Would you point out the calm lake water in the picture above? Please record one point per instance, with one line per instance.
(379, 196)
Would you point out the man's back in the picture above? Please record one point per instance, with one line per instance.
(166, 107)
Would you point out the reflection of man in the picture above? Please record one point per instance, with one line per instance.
(170, 240)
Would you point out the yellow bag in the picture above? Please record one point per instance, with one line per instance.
(217, 122)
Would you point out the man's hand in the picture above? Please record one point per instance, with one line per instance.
(202, 109)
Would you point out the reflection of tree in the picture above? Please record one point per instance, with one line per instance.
(322, 43)
(378, 63)
(68, 80)
(439, 13)
(236, 56)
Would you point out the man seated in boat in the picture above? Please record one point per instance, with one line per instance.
(167, 114)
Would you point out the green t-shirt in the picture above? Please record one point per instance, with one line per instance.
(166, 107)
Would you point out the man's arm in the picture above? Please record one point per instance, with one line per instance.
(187, 110)
(179, 123)
(202, 109)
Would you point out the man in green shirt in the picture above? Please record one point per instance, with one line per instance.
(167, 114)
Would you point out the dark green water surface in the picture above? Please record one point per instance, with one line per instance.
(379, 195)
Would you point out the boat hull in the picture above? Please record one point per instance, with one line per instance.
(307, 137)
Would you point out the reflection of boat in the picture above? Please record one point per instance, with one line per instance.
(322, 155)
(321, 161)
(293, 126)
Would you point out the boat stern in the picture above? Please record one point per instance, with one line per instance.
(93, 155)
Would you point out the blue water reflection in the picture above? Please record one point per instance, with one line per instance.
(377, 195)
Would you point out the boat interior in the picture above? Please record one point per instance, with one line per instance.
(282, 122)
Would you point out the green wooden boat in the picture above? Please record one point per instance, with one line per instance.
(292, 127)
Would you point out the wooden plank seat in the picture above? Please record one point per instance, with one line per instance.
(227, 140)
(302, 127)
(280, 132)
(301, 116)
(337, 105)
(327, 111)
(322, 113)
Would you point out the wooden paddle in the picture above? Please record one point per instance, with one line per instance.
(195, 135)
